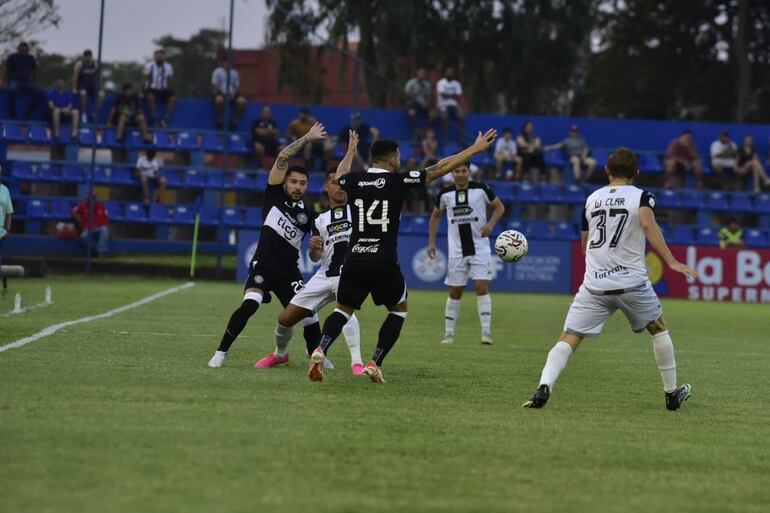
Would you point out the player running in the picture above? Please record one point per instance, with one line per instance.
(465, 203)
(376, 197)
(329, 244)
(285, 221)
(616, 220)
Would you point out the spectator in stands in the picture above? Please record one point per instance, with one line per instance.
(749, 163)
(731, 236)
(61, 103)
(221, 92)
(449, 92)
(98, 227)
(148, 170)
(85, 84)
(505, 153)
(429, 146)
(264, 135)
(366, 136)
(682, 156)
(530, 149)
(418, 91)
(127, 112)
(20, 77)
(575, 149)
(6, 211)
(157, 78)
(298, 128)
(724, 156)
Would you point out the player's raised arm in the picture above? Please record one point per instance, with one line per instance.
(446, 165)
(435, 219)
(278, 172)
(347, 162)
(658, 243)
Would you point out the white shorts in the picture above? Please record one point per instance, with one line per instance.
(318, 292)
(459, 269)
(589, 312)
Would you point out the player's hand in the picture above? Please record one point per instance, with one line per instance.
(485, 140)
(486, 230)
(316, 243)
(352, 141)
(684, 269)
(432, 250)
(317, 132)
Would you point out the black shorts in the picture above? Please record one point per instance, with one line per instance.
(384, 282)
(161, 95)
(283, 286)
(89, 87)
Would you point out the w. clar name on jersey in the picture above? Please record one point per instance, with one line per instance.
(376, 197)
(466, 211)
(334, 227)
(284, 224)
(615, 253)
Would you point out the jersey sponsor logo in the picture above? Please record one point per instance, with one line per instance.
(283, 225)
(606, 273)
(463, 210)
(429, 269)
(414, 174)
(411, 180)
(365, 248)
(339, 227)
(379, 183)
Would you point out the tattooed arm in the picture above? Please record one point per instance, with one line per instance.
(444, 166)
(278, 172)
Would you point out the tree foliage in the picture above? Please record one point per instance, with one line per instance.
(193, 59)
(21, 19)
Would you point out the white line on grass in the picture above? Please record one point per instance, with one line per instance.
(50, 330)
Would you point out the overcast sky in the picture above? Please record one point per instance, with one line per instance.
(131, 25)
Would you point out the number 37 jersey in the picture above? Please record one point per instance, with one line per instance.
(376, 198)
(615, 253)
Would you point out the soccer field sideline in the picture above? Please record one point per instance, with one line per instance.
(446, 433)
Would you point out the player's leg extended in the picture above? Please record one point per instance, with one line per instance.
(663, 349)
(331, 330)
(284, 330)
(389, 333)
(484, 306)
(451, 313)
(557, 360)
(352, 333)
(252, 298)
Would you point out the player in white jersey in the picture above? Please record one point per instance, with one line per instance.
(329, 244)
(465, 203)
(617, 220)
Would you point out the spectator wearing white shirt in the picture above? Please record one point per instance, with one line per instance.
(221, 93)
(157, 78)
(724, 156)
(449, 91)
(506, 153)
(148, 170)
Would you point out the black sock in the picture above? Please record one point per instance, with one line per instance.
(312, 334)
(237, 322)
(332, 329)
(389, 333)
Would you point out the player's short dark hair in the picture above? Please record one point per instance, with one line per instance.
(330, 174)
(466, 163)
(622, 163)
(297, 169)
(383, 149)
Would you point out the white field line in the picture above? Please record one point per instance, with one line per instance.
(50, 330)
(27, 309)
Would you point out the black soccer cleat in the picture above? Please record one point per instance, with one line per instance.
(675, 399)
(539, 398)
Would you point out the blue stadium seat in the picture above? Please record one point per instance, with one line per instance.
(22, 170)
(565, 231)
(38, 209)
(173, 179)
(163, 141)
(73, 173)
(86, 136)
(519, 226)
(65, 136)
(39, 135)
(707, 237)
(574, 194)
(692, 198)
(122, 176)
(755, 238)
(209, 215)
(504, 191)
(61, 209)
(215, 179)
(762, 202)
(48, 172)
(194, 179)
(741, 203)
(135, 141)
(183, 214)
(244, 182)
(103, 175)
(261, 181)
(315, 183)
(159, 214)
(136, 213)
(649, 162)
(186, 141)
(667, 198)
(109, 139)
(551, 193)
(212, 143)
(539, 229)
(526, 193)
(234, 217)
(237, 144)
(717, 201)
(114, 210)
(601, 157)
(419, 225)
(13, 133)
(554, 158)
(253, 217)
(682, 235)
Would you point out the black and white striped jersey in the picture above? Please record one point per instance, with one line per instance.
(466, 211)
(334, 226)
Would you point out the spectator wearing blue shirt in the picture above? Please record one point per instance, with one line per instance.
(19, 76)
(61, 102)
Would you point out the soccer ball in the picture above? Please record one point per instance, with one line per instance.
(511, 246)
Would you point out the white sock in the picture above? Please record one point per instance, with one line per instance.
(663, 349)
(451, 314)
(558, 357)
(352, 333)
(484, 305)
(282, 338)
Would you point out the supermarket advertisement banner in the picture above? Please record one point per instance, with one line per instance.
(735, 274)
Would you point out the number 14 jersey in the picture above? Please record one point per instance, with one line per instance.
(615, 253)
(376, 198)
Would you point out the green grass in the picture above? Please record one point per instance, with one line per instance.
(122, 415)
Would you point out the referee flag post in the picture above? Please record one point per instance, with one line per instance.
(194, 245)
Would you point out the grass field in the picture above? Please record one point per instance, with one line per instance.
(122, 414)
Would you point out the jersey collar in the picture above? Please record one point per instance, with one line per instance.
(377, 170)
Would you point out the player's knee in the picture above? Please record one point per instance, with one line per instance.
(397, 313)
(482, 288)
(309, 321)
(657, 326)
(455, 292)
(251, 301)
